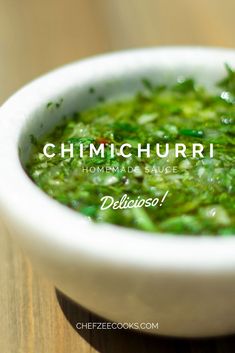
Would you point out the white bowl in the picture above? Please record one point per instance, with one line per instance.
(185, 283)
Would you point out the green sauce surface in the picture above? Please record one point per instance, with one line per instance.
(201, 198)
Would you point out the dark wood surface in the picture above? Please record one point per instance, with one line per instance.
(36, 36)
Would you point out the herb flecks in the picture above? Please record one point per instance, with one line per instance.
(201, 194)
(54, 105)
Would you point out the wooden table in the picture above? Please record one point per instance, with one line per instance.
(36, 36)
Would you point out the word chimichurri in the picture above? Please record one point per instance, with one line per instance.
(187, 188)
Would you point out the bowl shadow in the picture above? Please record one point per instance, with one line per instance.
(129, 341)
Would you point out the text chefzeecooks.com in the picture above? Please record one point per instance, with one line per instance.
(117, 325)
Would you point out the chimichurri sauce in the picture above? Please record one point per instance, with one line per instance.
(201, 189)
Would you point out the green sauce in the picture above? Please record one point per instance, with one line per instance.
(200, 189)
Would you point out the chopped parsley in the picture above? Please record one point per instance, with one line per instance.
(201, 196)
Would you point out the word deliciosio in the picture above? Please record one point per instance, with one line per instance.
(125, 150)
(127, 202)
